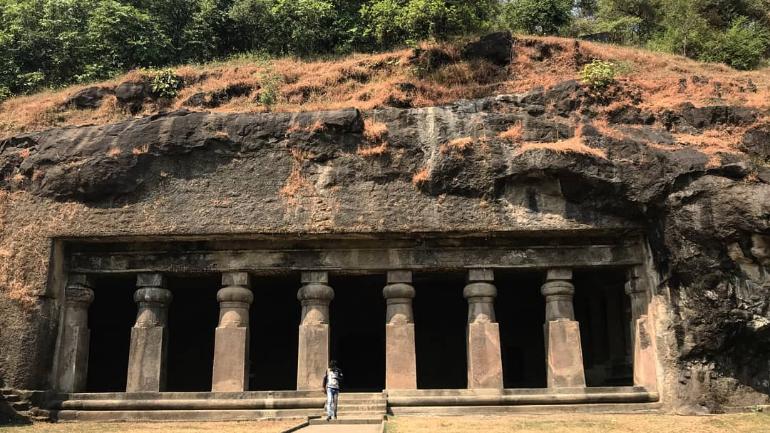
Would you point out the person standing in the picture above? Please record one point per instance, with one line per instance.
(332, 382)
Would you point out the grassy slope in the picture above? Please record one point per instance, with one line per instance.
(369, 81)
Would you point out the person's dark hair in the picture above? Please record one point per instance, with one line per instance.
(333, 364)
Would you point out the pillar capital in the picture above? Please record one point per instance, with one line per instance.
(153, 295)
(237, 294)
(315, 288)
(79, 290)
(480, 275)
(239, 279)
(151, 280)
(395, 277)
(309, 277)
(558, 291)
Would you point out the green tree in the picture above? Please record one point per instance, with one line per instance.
(286, 26)
(685, 28)
(387, 23)
(742, 46)
(539, 17)
(123, 37)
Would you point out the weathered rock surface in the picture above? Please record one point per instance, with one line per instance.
(708, 225)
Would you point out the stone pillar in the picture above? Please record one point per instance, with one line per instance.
(637, 293)
(400, 358)
(563, 351)
(485, 365)
(313, 354)
(73, 367)
(231, 344)
(149, 336)
(642, 332)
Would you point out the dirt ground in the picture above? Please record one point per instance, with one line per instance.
(579, 423)
(568, 423)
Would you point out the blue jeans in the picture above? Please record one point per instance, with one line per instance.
(331, 402)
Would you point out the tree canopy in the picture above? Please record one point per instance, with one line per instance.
(58, 42)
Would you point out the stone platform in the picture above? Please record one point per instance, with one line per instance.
(255, 405)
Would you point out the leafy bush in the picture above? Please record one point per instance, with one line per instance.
(599, 74)
(5, 93)
(743, 46)
(538, 16)
(166, 84)
(268, 92)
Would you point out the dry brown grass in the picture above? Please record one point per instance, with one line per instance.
(458, 145)
(571, 145)
(367, 81)
(421, 176)
(296, 182)
(575, 145)
(583, 423)
(514, 133)
(369, 151)
(374, 132)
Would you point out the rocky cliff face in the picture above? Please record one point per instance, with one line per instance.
(557, 159)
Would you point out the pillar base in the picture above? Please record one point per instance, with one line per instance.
(231, 352)
(313, 356)
(146, 360)
(644, 355)
(564, 354)
(485, 366)
(401, 362)
(74, 361)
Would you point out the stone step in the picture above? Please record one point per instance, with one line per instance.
(376, 419)
(363, 408)
(21, 406)
(12, 398)
(185, 415)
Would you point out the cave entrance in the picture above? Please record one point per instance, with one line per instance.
(274, 333)
(441, 316)
(110, 319)
(357, 320)
(520, 312)
(192, 319)
(604, 312)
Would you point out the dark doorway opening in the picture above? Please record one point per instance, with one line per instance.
(441, 316)
(604, 313)
(357, 319)
(274, 320)
(192, 319)
(520, 311)
(110, 318)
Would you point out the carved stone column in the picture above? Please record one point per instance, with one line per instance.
(400, 358)
(313, 354)
(485, 366)
(149, 336)
(563, 351)
(637, 293)
(642, 332)
(231, 344)
(73, 367)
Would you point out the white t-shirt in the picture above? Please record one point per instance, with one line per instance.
(332, 379)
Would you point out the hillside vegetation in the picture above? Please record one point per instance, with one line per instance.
(430, 75)
(52, 43)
